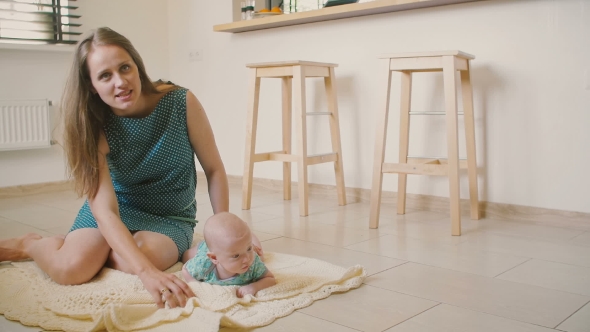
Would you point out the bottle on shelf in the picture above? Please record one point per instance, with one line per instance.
(250, 5)
(244, 10)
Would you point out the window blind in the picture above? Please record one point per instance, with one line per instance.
(38, 21)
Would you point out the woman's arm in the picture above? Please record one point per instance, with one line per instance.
(203, 143)
(105, 209)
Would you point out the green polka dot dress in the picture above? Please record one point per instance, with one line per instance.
(152, 166)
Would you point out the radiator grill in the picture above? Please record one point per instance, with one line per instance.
(24, 124)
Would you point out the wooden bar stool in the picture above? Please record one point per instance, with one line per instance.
(449, 62)
(293, 75)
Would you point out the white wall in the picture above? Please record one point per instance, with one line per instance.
(532, 106)
(35, 74)
(32, 75)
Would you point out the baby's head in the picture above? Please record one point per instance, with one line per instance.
(230, 242)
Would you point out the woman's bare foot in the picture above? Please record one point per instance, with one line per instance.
(14, 249)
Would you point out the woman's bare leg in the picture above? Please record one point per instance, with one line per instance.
(158, 248)
(79, 256)
(190, 253)
(162, 253)
(72, 260)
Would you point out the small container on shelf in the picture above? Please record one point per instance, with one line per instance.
(244, 10)
(251, 4)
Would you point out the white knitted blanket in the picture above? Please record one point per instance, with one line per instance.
(116, 301)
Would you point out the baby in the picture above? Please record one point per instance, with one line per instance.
(227, 257)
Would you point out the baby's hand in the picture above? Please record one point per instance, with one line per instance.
(259, 252)
(245, 290)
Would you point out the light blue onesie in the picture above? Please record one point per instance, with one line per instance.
(202, 269)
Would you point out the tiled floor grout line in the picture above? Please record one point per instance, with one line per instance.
(325, 320)
(512, 268)
(470, 309)
(37, 229)
(418, 314)
(479, 275)
(535, 239)
(421, 263)
(418, 297)
(27, 225)
(559, 242)
(393, 267)
(547, 260)
(553, 289)
(370, 254)
(501, 317)
(55, 207)
(559, 290)
(573, 238)
(570, 239)
(580, 308)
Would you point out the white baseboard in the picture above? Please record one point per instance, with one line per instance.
(35, 188)
(432, 203)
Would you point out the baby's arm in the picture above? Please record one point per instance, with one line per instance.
(187, 276)
(267, 280)
(190, 254)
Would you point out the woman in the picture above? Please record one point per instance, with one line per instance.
(129, 145)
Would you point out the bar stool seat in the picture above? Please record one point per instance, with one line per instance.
(449, 62)
(293, 75)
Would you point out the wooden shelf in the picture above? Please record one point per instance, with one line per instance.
(332, 13)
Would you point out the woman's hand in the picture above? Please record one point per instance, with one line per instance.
(166, 288)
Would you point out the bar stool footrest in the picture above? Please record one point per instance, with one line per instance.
(322, 158)
(274, 156)
(436, 161)
(284, 157)
(424, 169)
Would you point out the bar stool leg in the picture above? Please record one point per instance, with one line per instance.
(449, 72)
(301, 121)
(380, 139)
(404, 137)
(467, 92)
(252, 122)
(287, 91)
(330, 83)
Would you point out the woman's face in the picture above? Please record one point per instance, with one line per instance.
(115, 78)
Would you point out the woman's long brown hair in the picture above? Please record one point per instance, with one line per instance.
(85, 113)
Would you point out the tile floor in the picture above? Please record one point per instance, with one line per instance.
(500, 275)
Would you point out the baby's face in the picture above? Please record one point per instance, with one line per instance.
(238, 256)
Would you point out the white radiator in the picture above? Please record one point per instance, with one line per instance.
(24, 124)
